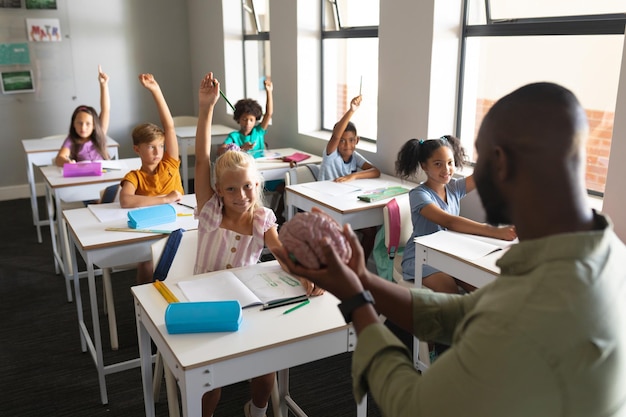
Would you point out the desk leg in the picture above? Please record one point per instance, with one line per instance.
(79, 302)
(53, 236)
(63, 249)
(361, 408)
(30, 175)
(421, 257)
(145, 355)
(97, 338)
(184, 165)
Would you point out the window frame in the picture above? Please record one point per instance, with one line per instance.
(358, 32)
(259, 36)
(600, 24)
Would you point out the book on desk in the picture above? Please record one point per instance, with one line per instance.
(248, 287)
(463, 245)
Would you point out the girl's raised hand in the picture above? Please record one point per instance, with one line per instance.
(102, 77)
(209, 91)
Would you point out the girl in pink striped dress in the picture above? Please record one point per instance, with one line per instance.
(233, 227)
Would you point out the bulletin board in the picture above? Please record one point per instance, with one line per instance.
(34, 38)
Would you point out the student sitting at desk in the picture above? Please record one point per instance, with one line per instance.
(87, 139)
(436, 203)
(341, 163)
(233, 226)
(158, 180)
(251, 136)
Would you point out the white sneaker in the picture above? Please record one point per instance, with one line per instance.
(246, 409)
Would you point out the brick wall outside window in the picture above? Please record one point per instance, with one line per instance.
(598, 142)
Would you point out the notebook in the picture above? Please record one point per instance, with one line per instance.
(382, 193)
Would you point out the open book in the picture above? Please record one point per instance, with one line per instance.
(248, 286)
(463, 245)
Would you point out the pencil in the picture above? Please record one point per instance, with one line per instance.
(165, 292)
(186, 205)
(128, 229)
(361, 85)
(231, 106)
(302, 304)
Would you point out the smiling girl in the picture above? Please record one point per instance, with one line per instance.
(436, 203)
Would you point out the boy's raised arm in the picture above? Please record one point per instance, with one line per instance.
(340, 126)
(269, 106)
(167, 122)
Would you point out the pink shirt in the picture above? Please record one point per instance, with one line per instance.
(221, 248)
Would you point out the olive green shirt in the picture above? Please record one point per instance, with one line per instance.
(547, 338)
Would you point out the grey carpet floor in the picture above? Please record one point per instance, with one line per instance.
(44, 373)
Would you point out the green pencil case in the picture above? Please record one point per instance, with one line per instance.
(203, 317)
(382, 193)
(151, 216)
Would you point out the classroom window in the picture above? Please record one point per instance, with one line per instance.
(256, 47)
(510, 44)
(350, 63)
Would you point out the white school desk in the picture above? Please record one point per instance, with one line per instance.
(187, 140)
(265, 342)
(41, 152)
(108, 249)
(344, 208)
(476, 272)
(72, 189)
(275, 169)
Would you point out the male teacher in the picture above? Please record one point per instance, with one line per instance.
(548, 336)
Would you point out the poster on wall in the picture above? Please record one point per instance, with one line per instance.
(11, 4)
(14, 82)
(43, 30)
(14, 54)
(41, 4)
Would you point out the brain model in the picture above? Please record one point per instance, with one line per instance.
(301, 236)
(233, 147)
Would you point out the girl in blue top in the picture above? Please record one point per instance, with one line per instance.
(436, 203)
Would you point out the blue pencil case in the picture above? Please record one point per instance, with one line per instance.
(203, 316)
(151, 216)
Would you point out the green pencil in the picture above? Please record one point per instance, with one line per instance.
(229, 103)
(302, 304)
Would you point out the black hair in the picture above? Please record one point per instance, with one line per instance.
(416, 151)
(249, 106)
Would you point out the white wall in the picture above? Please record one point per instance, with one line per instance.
(126, 38)
(615, 191)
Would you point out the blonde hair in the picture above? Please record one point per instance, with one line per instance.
(235, 160)
(146, 133)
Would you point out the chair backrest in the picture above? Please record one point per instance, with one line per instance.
(402, 226)
(185, 121)
(302, 174)
(185, 258)
(110, 194)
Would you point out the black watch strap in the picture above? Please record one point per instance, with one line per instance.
(347, 306)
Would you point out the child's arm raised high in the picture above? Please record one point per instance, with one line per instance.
(340, 126)
(208, 95)
(269, 106)
(105, 100)
(167, 122)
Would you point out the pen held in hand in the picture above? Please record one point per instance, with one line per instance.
(302, 304)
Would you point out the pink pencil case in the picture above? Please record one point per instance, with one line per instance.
(296, 157)
(82, 169)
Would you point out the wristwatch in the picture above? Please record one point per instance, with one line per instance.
(347, 306)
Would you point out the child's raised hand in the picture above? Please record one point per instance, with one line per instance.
(355, 103)
(102, 77)
(268, 85)
(209, 91)
(148, 81)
